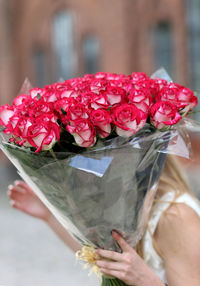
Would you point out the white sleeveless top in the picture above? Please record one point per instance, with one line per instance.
(151, 257)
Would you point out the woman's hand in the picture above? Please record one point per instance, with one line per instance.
(127, 266)
(24, 199)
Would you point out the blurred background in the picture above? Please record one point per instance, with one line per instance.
(52, 39)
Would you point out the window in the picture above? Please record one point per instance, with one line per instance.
(193, 22)
(91, 51)
(63, 45)
(39, 65)
(163, 47)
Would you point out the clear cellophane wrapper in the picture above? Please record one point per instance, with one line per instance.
(107, 187)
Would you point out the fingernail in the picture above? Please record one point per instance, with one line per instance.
(10, 187)
(115, 234)
(16, 182)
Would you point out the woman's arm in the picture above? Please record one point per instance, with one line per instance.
(62, 233)
(178, 239)
(23, 198)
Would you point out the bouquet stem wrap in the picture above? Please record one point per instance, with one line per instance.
(112, 282)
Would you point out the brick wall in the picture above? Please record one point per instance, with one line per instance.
(122, 27)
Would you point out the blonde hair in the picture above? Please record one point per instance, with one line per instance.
(172, 178)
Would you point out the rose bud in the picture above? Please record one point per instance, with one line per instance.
(164, 114)
(128, 119)
(101, 119)
(43, 135)
(141, 98)
(83, 132)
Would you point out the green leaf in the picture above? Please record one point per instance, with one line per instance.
(38, 96)
(63, 111)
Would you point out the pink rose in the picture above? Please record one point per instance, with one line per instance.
(115, 95)
(139, 77)
(99, 101)
(183, 98)
(98, 85)
(50, 94)
(83, 132)
(100, 75)
(88, 76)
(36, 92)
(62, 89)
(76, 111)
(156, 85)
(85, 98)
(128, 119)
(66, 93)
(61, 106)
(141, 98)
(20, 99)
(101, 119)
(43, 135)
(6, 112)
(18, 125)
(187, 99)
(19, 128)
(140, 81)
(164, 114)
(38, 107)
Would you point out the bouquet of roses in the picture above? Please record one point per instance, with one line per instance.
(93, 149)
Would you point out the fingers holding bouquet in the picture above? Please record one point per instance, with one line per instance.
(127, 266)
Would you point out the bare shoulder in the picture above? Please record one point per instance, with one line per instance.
(178, 231)
(177, 237)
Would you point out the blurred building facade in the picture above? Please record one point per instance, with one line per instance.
(51, 39)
